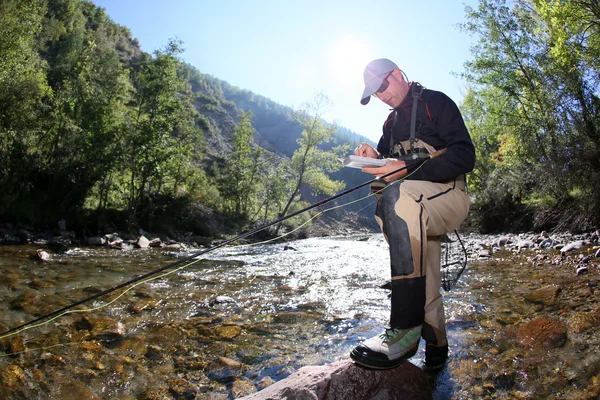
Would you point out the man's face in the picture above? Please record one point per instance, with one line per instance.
(396, 89)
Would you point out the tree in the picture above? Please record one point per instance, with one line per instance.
(162, 132)
(23, 87)
(238, 180)
(535, 80)
(309, 162)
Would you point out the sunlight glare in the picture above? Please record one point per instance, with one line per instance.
(347, 58)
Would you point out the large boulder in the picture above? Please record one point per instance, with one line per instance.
(346, 380)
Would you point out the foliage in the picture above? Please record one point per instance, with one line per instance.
(309, 162)
(533, 108)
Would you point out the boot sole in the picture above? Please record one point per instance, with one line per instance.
(381, 364)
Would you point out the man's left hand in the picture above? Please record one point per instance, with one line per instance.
(391, 165)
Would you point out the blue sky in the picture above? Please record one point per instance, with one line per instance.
(289, 50)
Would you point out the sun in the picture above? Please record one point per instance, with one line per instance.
(347, 57)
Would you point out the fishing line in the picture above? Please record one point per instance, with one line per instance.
(150, 275)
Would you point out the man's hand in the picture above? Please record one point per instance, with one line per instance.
(366, 150)
(391, 165)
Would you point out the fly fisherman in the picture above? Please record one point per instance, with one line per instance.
(415, 213)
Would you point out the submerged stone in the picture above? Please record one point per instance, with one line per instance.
(542, 332)
(546, 295)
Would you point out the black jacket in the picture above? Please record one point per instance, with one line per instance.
(439, 124)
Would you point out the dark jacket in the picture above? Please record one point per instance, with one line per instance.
(439, 124)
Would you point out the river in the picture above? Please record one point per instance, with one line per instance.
(248, 316)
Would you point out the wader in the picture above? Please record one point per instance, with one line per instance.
(413, 216)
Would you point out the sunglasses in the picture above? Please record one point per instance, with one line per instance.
(384, 84)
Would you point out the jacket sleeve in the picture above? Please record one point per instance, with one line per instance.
(459, 158)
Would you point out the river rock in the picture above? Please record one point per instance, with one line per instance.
(525, 244)
(241, 388)
(547, 243)
(97, 241)
(542, 332)
(142, 242)
(503, 241)
(583, 321)
(484, 254)
(546, 295)
(42, 255)
(346, 380)
(571, 246)
(69, 388)
(12, 377)
(182, 389)
(597, 255)
(156, 242)
(582, 270)
(228, 331)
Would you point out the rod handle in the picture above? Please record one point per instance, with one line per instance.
(437, 153)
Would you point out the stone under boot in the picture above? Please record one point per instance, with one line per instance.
(388, 349)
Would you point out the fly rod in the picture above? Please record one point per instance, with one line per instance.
(219, 245)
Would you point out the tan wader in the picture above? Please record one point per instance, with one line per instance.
(413, 216)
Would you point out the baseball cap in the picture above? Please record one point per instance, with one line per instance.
(374, 73)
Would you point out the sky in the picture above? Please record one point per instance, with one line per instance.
(289, 50)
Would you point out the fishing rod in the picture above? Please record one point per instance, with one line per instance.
(217, 246)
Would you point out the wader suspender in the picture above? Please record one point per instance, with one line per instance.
(413, 118)
(417, 91)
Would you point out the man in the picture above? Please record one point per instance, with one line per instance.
(415, 207)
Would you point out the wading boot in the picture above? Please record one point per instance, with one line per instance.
(388, 349)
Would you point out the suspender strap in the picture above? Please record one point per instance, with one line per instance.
(417, 90)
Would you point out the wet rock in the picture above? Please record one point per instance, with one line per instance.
(484, 254)
(542, 332)
(345, 380)
(228, 362)
(265, 382)
(73, 389)
(503, 241)
(242, 388)
(60, 243)
(142, 243)
(16, 345)
(525, 244)
(548, 243)
(288, 247)
(12, 377)
(156, 394)
(583, 321)
(182, 389)
(571, 246)
(582, 270)
(102, 327)
(156, 242)
(96, 241)
(228, 331)
(222, 300)
(546, 295)
(42, 255)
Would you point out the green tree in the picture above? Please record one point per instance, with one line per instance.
(163, 130)
(310, 164)
(22, 90)
(534, 78)
(238, 180)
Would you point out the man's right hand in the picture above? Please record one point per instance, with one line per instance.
(366, 150)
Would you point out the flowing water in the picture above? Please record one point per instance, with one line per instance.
(247, 316)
